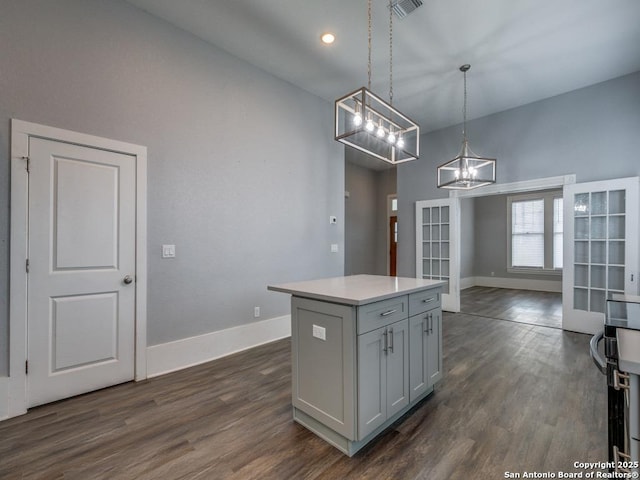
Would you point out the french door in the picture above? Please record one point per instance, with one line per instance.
(600, 249)
(437, 247)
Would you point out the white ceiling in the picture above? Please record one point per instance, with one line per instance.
(520, 51)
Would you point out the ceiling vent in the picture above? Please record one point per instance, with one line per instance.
(402, 8)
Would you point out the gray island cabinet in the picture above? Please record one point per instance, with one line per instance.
(365, 349)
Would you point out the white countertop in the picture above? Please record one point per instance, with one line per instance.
(355, 289)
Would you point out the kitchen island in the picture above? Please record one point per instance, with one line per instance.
(365, 349)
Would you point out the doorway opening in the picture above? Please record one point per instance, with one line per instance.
(392, 235)
(511, 256)
(445, 246)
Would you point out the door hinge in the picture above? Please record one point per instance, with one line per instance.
(26, 367)
(26, 265)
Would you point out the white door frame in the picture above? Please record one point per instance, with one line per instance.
(16, 403)
(503, 188)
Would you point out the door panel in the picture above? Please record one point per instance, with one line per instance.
(80, 327)
(434, 347)
(600, 249)
(372, 382)
(94, 319)
(418, 328)
(87, 191)
(398, 368)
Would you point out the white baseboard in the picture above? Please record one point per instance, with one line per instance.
(516, 283)
(467, 282)
(172, 356)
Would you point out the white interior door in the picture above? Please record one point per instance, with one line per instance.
(81, 280)
(437, 247)
(600, 249)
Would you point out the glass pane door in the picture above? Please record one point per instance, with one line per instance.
(601, 247)
(435, 240)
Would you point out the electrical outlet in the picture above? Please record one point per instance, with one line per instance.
(256, 312)
(333, 219)
(319, 332)
(334, 248)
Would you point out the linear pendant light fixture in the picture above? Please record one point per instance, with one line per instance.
(468, 170)
(366, 122)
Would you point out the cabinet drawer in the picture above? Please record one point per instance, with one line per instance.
(379, 314)
(422, 301)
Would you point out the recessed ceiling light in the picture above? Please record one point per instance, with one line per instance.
(328, 38)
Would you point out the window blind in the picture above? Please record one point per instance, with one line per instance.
(557, 232)
(527, 233)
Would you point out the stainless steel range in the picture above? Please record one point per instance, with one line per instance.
(621, 365)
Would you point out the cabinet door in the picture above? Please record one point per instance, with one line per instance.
(397, 367)
(372, 381)
(434, 347)
(418, 376)
(323, 367)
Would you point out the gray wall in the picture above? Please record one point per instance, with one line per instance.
(387, 185)
(467, 237)
(366, 216)
(589, 132)
(243, 171)
(361, 218)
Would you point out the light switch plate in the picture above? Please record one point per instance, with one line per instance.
(334, 248)
(319, 332)
(168, 251)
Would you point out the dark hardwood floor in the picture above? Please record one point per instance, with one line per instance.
(524, 306)
(514, 398)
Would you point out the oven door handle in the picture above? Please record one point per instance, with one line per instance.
(598, 359)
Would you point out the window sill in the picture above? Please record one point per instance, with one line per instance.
(535, 271)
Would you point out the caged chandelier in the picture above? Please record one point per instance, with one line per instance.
(467, 170)
(366, 122)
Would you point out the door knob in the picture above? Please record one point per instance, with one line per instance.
(128, 279)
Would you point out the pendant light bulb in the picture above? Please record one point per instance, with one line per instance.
(369, 125)
(380, 131)
(400, 142)
(392, 137)
(357, 119)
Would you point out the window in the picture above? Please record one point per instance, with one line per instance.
(527, 233)
(535, 232)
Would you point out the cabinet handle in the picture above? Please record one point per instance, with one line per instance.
(386, 341)
(426, 317)
(431, 323)
(428, 300)
(388, 313)
(391, 340)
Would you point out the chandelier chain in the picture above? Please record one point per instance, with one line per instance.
(391, 52)
(369, 43)
(464, 109)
